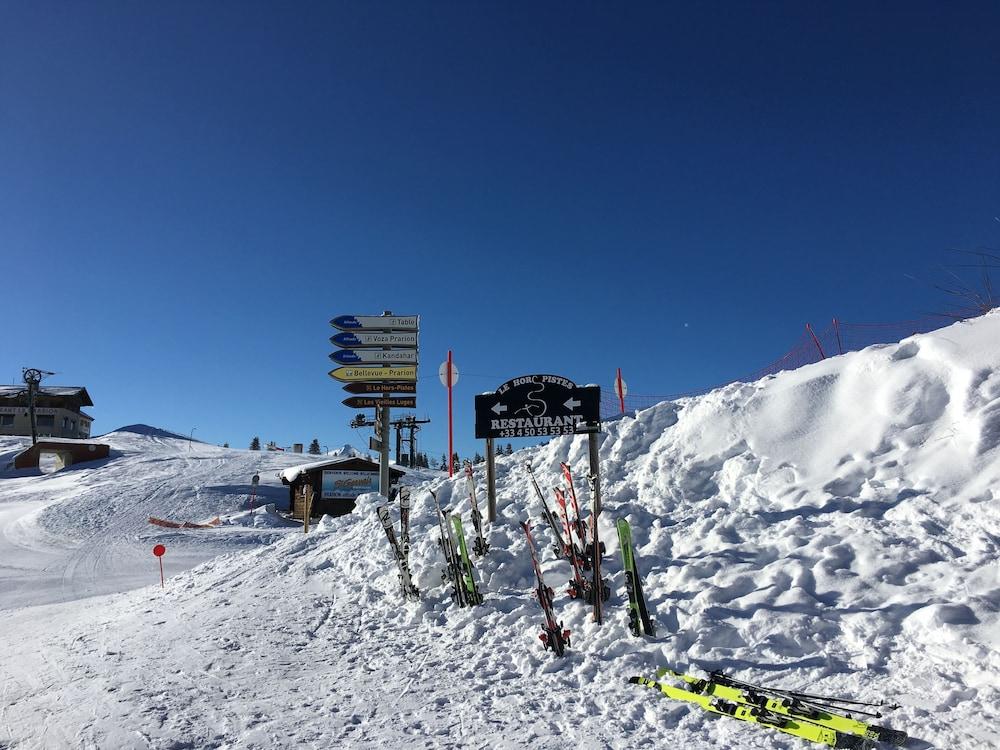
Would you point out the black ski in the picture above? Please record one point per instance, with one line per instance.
(553, 635)
(405, 580)
(561, 548)
(453, 570)
(600, 592)
(404, 521)
(479, 546)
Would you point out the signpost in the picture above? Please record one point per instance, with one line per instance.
(373, 402)
(363, 372)
(159, 550)
(375, 356)
(351, 340)
(621, 389)
(538, 406)
(386, 322)
(448, 374)
(363, 387)
(378, 354)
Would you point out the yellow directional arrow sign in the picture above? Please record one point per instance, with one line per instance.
(349, 374)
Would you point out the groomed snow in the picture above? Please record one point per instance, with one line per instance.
(834, 528)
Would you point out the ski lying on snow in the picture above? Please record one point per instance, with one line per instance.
(809, 722)
(553, 635)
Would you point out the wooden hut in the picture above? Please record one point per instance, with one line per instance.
(336, 484)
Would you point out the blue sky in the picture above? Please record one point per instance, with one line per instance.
(190, 191)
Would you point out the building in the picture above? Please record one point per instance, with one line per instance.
(336, 483)
(58, 411)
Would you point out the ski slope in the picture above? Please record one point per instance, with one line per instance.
(834, 529)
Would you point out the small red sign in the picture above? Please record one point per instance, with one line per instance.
(159, 549)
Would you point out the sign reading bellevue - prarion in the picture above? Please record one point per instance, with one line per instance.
(348, 374)
(538, 406)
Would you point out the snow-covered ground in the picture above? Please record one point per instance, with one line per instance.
(834, 528)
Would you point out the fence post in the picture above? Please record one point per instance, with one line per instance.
(815, 341)
(836, 327)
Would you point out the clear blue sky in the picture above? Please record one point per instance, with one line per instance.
(190, 191)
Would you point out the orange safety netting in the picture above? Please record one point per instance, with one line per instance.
(185, 524)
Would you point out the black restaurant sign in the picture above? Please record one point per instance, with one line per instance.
(538, 406)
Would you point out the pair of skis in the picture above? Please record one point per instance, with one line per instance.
(553, 635)
(828, 721)
(480, 546)
(638, 616)
(400, 549)
(459, 571)
(587, 556)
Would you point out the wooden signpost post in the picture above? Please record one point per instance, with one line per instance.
(378, 355)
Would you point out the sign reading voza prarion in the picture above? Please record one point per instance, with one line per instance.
(537, 406)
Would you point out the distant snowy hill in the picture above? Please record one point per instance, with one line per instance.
(834, 529)
(348, 450)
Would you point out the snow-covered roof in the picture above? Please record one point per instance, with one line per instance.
(292, 473)
(10, 391)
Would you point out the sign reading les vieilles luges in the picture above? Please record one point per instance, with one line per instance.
(537, 406)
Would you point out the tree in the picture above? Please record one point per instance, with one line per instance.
(455, 462)
(509, 450)
(444, 462)
(255, 443)
(477, 459)
(225, 445)
(314, 447)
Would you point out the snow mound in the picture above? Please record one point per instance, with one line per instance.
(833, 529)
(145, 429)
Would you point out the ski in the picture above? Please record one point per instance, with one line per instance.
(404, 522)
(561, 547)
(600, 592)
(833, 713)
(579, 587)
(405, 581)
(479, 547)
(638, 617)
(453, 565)
(471, 591)
(553, 635)
(752, 714)
(578, 525)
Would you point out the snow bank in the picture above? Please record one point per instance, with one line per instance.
(834, 528)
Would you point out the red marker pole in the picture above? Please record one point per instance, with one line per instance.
(158, 550)
(451, 449)
(620, 389)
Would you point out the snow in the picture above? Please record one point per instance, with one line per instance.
(833, 528)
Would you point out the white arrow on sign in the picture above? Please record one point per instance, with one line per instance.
(498, 409)
(571, 404)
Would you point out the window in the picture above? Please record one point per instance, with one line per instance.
(6, 420)
(45, 420)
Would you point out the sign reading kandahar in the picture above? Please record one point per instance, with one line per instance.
(537, 406)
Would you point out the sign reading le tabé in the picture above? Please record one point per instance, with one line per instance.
(376, 322)
(349, 374)
(371, 402)
(351, 340)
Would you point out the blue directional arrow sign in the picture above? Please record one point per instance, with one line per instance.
(374, 356)
(351, 340)
(376, 322)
